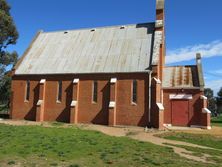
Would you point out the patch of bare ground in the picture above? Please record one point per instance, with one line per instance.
(215, 131)
(141, 134)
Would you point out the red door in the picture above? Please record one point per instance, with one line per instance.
(180, 112)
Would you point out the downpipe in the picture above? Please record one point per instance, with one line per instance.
(149, 103)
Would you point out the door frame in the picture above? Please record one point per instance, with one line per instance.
(188, 113)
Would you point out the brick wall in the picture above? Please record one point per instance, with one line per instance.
(88, 111)
(195, 105)
(54, 110)
(127, 112)
(19, 108)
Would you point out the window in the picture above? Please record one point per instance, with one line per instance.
(95, 87)
(134, 91)
(59, 91)
(27, 91)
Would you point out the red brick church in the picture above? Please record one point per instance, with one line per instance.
(108, 75)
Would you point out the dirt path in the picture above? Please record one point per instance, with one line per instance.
(136, 133)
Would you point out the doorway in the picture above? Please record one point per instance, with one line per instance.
(180, 112)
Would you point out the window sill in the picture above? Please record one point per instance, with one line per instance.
(133, 104)
(58, 102)
(26, 101)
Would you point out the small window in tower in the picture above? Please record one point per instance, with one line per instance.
(134, 92)
(95, 89)
(59, 91)
(27, 91)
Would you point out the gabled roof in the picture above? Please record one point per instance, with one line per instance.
(102, 50)
(180, 77)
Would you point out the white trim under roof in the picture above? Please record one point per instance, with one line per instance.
(180, 96)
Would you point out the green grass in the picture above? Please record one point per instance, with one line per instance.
(199, 139)
(57, 123)
(216, 121)
(216, 155)
(73, 147)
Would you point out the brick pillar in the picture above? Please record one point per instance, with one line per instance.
(74, 103)
(40, 104)
(157, 106)
(160, 28)
(205, 114)
(112, 103)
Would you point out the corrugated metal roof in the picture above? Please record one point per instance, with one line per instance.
(180, 76)
(105, 50)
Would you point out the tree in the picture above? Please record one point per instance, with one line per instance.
(5, 89)
(211, 100)
(8, 36)
(219, 101)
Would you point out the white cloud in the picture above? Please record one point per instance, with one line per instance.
(189, 52)
(215, 85)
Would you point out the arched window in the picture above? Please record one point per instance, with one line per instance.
(134, 91)
(27, 91)
(59, 91)
(95, 89)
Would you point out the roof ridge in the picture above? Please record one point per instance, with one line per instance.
(102, 27)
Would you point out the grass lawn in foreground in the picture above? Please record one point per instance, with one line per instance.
(73, 147)
(213, 141)
(216, 121)
(216, 156)
(199, 139)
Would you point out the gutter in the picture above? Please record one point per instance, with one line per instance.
(84, 73)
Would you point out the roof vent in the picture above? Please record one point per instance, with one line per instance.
(122, 27)
(65, 32)
(93, 30)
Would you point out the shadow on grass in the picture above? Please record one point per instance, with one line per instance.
(217, 121)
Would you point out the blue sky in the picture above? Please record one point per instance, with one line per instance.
(191, 25)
